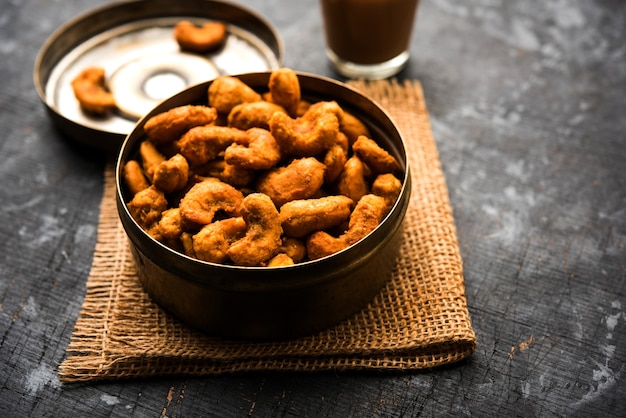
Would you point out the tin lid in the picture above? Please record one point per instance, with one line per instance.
(133, 41)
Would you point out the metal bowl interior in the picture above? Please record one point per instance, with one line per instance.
(133, 41)
(262, 302)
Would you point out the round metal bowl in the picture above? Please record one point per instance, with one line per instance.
(278, 302)
(133, 41)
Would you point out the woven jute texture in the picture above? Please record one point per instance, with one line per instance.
(419, 320)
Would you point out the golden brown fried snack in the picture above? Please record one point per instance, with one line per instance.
(169, 126)
(171, 175)
(317, 109)
(388, 187)
(352, 180)
(321, 244)
(203, 38)
(285, 90)
(263, 234)
(134, 178)
(146, 207)
(205, 199)
(294, 248)
(308, 135)
(253, 115)
(334, 160)
(343, 142)
(279, 260)
(170, 225)
(366, 216)
(91, 93)
(303, 106)
(151, 157)
(211, 243)
(299, 218)
(353, 127)
(301, 179)
(228, 173)
(186, 242)
(376, 158)
(256, 149)
(204, 143)
(226, 92)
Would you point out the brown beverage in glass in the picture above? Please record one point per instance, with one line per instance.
(368, 38)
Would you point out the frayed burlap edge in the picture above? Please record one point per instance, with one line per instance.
(419, 320)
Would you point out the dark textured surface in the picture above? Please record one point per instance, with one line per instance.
(528, 105)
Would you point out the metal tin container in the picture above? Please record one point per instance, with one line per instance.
(133, 41)
(278, 302)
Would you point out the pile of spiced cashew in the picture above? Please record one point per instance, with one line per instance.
(260, 179)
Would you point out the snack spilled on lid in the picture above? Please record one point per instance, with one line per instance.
(90, 90)
(205, 38)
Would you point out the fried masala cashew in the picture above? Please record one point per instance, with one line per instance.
(376, 158)
(334, 160)
(300, 218)
(352, 180)
(226, 92)
(211, 243)
(387, 186)
(91, 93)
(169, 227)
(301, 179)
(253, 115)
(294, 248)
(205, 38)
(228, 173)
(205, 199)
(353, 127)
(366, 216)
(343, 141)
(186, 241)
(151, 157)
(308, 135)
(147, 206)
(280, 260)
(263, 235)
(285, 89)
(204, 143)
(171, 175)
(169, 126)
(134, 178)
(256, 149)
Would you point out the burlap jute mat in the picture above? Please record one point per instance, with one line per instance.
(419, 320)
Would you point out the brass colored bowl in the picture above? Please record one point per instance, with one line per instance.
(277, 302)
